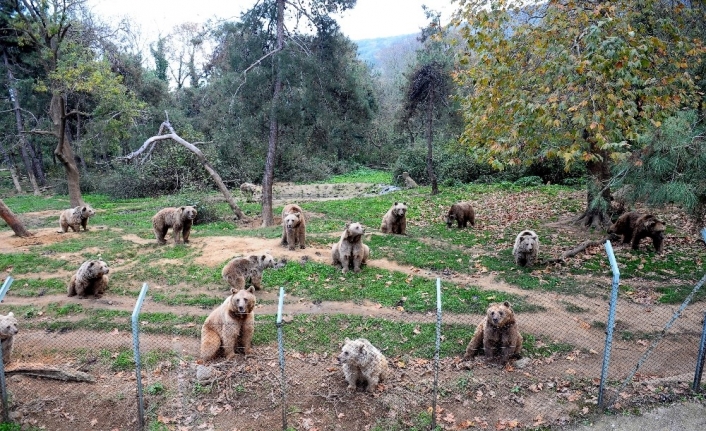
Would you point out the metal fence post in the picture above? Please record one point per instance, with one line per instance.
(436, 352)
(280, 345)
(702, 346)
(5, 414)
(136, 348)
(611, 320)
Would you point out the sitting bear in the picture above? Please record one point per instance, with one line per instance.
(229, 326)
(395, 219)
(248, 190)
(91, 278)
(350, 251)
(74, 218)
(497, 334)
(634, 226)
(8, 330)
(408, 181)
(362, 362)
(293, 226)
(240, 269)
(179, 219)
(462, 213)
(526, 248)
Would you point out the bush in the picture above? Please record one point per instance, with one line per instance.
(206, 207)
(530, 181)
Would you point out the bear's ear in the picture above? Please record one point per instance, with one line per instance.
(347, 340)
(395, 203)
(361, 348)
(182, 208)
(93, 262)
(348, 224)
(251, 289)
(233, 290)
(507, 304)
(10, 314)
(83, 209)
(404, 203)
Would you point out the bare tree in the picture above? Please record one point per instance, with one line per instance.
(12, 221)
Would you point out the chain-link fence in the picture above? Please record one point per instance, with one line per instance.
(293, 378)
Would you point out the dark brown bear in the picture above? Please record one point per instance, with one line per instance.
(634, 226)
(497, 335)
(462, 213)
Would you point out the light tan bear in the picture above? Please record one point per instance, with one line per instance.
(408, 181)
(293, 227)
(634, 226)
(526, 248)
(179, 219)
(350, 251)
(231, 325)
(248, 190)
(8, 330)
(240, 269)
(395, 219)
(462, 213)
(74, 218)
(497, 334)
(362, 362)
(91, 278)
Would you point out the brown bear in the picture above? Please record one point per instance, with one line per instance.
(526, 248)
(408, 181)
(634, 226)
(248, 190)
(462, 213)
(91, 278)
(293, 226)
(497, 334)
(395, 219)
(229, 326)
(362, 362)
(179, 219)
(238, 270)
(8, 330)
(74, 218)
(350, 251)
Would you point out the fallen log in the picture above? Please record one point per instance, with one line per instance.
(40, 370)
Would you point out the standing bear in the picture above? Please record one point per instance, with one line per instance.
(231, 325)
(395, 219)
(634, 226)
(179, 219)
(362, 362)
(91, 278)
(8, 330)
(526, 248)
(240, 269)
(350, 251)
(462, 213)
(293, 226)
(75, 218)
(497, 334)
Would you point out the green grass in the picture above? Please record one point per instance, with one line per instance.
(361, 175)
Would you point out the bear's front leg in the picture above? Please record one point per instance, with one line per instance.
(230, 334)
(346, 261)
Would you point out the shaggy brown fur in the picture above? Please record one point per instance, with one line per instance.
(75, 218)
(362, 362)
(8, 330)
(240, 269)
(91, 278)
(634, 226)
(408, 181)
(179, 219)
(231, 325)
(293, 227)
(350, 251)
(526, 248)
(462, 213)
(497, 334)
(248, 190)
(395, 219)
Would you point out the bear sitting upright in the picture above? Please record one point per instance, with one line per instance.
(462, 213)
(395, 219)
(179, 219)
(526, 248)
(91, 278)
(229, 326)
(350, 251)
(8, 330)
(362, 362)
(634, 226)
(497, 333)
(293, 226)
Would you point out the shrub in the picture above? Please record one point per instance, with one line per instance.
(530, 181)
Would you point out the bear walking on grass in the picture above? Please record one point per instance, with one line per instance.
(526, 248)
(8, 330)
(462, 213)
(350, 251)
(75, 218)
(634, 226)
(179, 219)
(362, 362)
(240, 269)
(231, 325)
(497, 334)
(91, 278)
(248, 190)
(293, 227)
(395, 219)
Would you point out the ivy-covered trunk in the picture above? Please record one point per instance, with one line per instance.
(598, 194)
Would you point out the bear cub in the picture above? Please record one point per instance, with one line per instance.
(526, 248)
(75, 218)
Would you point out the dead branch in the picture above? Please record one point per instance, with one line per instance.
(576, 250)
(41, 370)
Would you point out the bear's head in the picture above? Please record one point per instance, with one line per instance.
(292, 220)
(353, 231)
(528, 242)
(8, 325)
(187, 213)
(652, 224)
(87, 211)
(242, 301)
(399, 209)
(500, 314)
(352, 351)
(450, 217)
(96, 268)
(265, 260)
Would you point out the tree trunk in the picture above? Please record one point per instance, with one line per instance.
(12, 221)
(598, 194)
(268, 178)
(430, 139)
(11, 167)
(63, 150)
